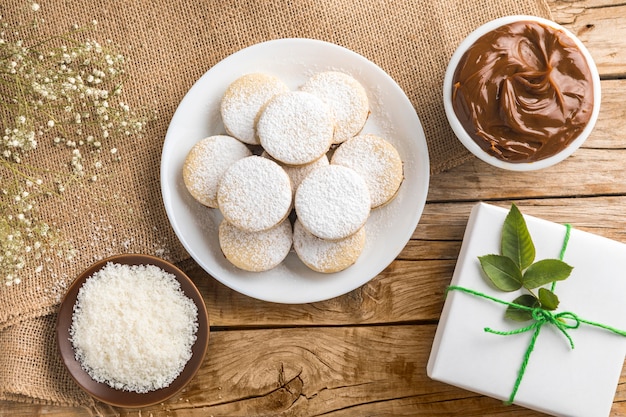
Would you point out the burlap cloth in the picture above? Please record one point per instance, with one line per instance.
(169, 45)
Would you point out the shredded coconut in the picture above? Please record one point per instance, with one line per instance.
(133, 327)
(333, 202)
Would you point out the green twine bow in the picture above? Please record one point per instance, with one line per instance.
(563, 321)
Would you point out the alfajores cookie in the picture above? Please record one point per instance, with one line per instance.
(327, 256)
(255, 251)
(346, 98)
(254, 194)
(296, 128)
(377, 161)
(205, 164)
(333, 202)
(243, 102)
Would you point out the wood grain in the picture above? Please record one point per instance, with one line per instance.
(601, 26)
(338, 371)
(365, 353)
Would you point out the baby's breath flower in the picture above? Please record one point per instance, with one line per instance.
(61, 91)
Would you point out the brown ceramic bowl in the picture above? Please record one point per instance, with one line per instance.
(102, 391)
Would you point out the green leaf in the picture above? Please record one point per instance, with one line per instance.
(516, 241)
(544, 272)
(502, 272)
(517, 314)
(548, 299)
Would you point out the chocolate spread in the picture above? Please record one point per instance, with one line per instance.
(523, 91)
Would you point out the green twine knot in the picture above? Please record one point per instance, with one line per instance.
(563, 321)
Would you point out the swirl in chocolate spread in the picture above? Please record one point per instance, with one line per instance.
(523, 91)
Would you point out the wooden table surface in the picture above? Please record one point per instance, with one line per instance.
(365, 353)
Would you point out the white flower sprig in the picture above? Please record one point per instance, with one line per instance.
(57, 91)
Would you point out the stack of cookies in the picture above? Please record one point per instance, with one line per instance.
(293, 152)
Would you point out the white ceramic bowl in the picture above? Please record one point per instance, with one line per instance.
(465, 138)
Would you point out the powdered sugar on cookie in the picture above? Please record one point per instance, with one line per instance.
(297, 173)
(205, 164)
(254, 194)
(333, 202)
(296, 128)
(346, 98)
(243, 102)
(377, 161)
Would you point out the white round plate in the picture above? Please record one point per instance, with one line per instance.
(388, 229)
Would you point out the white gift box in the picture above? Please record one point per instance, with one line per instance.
(558, 380)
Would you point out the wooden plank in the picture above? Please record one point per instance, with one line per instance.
(405, 291)
(411, 288)
(14, 409)
(374, 368)
(430, 250)
(608, 131)
(601, 26)
(589, 172)
(601, 215)
(336, 371)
